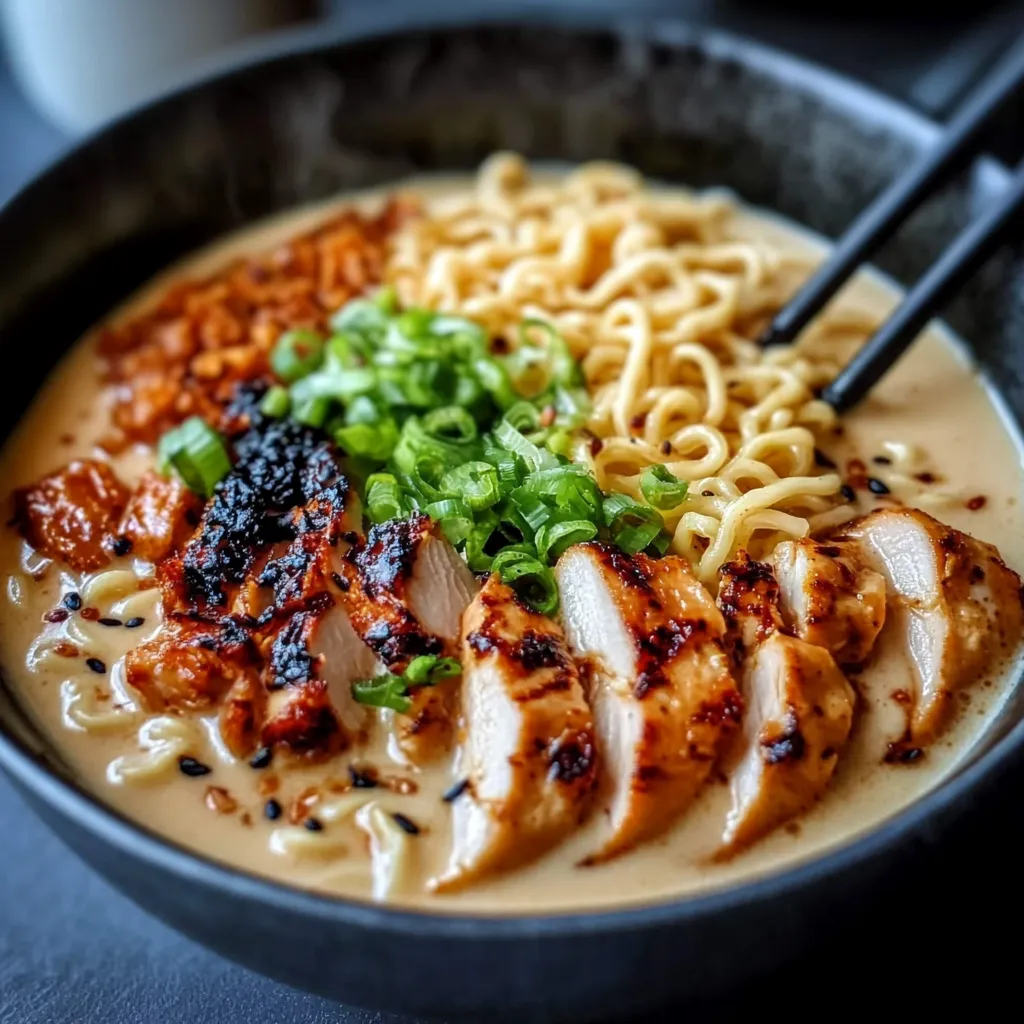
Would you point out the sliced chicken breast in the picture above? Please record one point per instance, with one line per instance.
(659, 684)
(798, 709)
(313, 662)
(406, 591)
(528, 750)
(952, 597)
(830, 598)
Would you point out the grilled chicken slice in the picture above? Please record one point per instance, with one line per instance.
(407, 590)
(952, 597)
(189, 665)
(660, 686)
(830, 598)
(313, 662)
(72, 514)
(161, 514)
(528, 751)
(798, 709)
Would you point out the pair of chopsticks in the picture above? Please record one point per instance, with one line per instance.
(879, 222)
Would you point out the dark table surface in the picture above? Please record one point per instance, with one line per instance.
(74, 950)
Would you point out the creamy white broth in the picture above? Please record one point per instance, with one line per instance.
(975, 451)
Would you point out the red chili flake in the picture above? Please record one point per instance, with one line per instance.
(220, 800)
(547, 417)
(596, 444)
(90, 614)
(499, 346)
(56, 615)
(978, 501)
(63, 649)
(666, 447)
(67, 439)
(926, 478)
(637, 422)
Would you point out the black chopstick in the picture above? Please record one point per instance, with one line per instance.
(971, 248)
(881, 219)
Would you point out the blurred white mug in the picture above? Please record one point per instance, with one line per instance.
(84, 61)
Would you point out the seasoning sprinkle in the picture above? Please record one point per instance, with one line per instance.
(134, 622)
(362, 779)
(666, 447)
(848, 493)
(56, 615)
(407, 825)
(313, 825)
(90, 614)
(340, 582)
(876, 486)
(96, 665)
(262, 758)
(456, 790)
(271, 810)
(977, 502)
(109, 622)
(192, 768)
(882, 460)
(122, 545)
(73, 601)
(596, 444)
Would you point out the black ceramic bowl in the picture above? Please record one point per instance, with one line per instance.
(680, 105)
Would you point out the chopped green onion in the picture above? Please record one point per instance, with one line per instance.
(196, 452)
(383, 498)
(477, 557)
(564, 368)
(430, 669)
(660, 544)
(509, 438)
(476, 483)
(450, 424)
(297, 354)
(534, 583)
(383, 691)
(553, 538)
(454, 517)
(632, 526)
(368, 440)
(661, 488)
(275, 403)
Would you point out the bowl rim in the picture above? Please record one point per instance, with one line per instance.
(89, 813)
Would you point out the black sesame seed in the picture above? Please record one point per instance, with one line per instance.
(122, 545)
(192, 768)
(882, 460)
(361, 779)
(340, 582)
(271, 810)
(822, 459)
(96, 665)
(73, 601)
(406, 824)
(109, 622)
(848, 493)
(313, 825)
(261, 758)
(875, 486)
(456, 790)
(134, 622)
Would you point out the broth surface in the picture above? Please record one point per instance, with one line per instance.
(933, 400)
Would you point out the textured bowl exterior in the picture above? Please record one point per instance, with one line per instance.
(680, 105)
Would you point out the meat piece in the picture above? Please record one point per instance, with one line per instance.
(798, 714)
(952, 597)
(313, 662)
(748, 597)
(529, 739)
(242, 712)
(189, 665)
(661, 690)
(279, 466)
(71, 515)
(829, 598)
(798, 708)
(407, 590)
(161, 514)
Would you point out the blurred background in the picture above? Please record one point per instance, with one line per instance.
(70, 65)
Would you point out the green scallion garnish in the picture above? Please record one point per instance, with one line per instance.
(661, 489)
(275, 403)
(297, 354)
(196, 453)
(392, 691)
